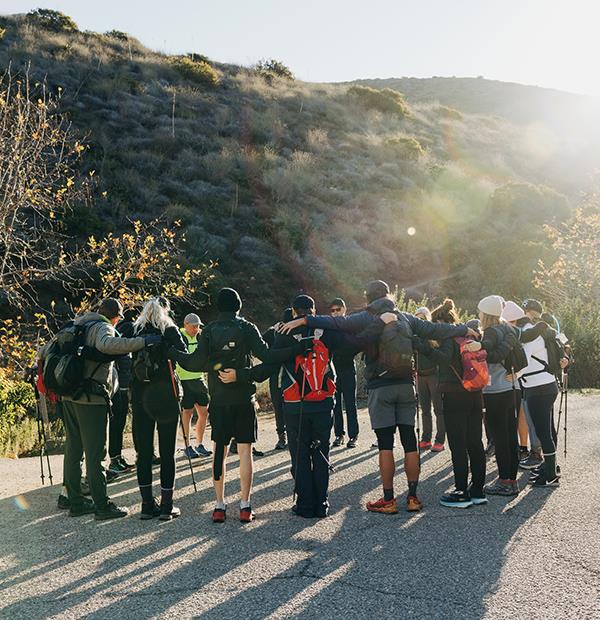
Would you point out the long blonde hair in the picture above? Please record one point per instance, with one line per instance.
(155, 314)
(488, 320)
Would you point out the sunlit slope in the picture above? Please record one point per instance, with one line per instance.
(293, 185)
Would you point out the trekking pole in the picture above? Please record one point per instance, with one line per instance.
(416, 378)
(566, 392)
(299, 433)
(41, 414)
(560, 406)
(316, 445)
(185, 439)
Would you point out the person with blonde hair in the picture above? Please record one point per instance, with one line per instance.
(155, 396)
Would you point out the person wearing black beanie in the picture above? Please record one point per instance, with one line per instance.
(230, 342)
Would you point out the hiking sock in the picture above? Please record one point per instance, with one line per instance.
(388, 494)
(166, 497)
(220, 506)
(244, 504)
(412, 487)
(146, 492)
(550, 466)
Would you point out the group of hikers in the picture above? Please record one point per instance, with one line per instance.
(507, 363)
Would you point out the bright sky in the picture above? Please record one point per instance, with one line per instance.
(552, 43)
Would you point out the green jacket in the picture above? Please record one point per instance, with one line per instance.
(192, 344)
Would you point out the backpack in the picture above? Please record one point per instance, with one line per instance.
(395, 352)
(312, 380)
(227, 344)
(146, 364)
(475, 369)
(63, 371)
(516, 359)
(556, 351)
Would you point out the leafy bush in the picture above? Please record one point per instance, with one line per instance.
(449, 113)
(52, 20)
(405, 148)
(16, 426)
(119, 35)
(198, 71)
(271, 68)
(385, 100)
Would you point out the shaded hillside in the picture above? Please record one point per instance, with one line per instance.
(291, 185)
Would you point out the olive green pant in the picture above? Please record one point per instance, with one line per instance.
(85, 429)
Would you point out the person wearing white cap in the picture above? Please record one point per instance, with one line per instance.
(195, 392)
(502, 399)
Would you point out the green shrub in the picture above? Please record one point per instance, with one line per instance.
(179, 213)
(119, 35)
(198, 71)
(385, 100)
(52, 20)
(449, 113)
(17, 428)
(271, 68)
(404, 148)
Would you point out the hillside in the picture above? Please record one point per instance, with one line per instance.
(291, 185)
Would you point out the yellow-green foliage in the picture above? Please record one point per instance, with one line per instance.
(52, 20)
(16, 427)
(198, 71)
(449, 113)
(270, 68)
(2, 33)
(385, 100)
(119, 35)
(404, 148)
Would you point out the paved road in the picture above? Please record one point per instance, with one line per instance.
(537, 556)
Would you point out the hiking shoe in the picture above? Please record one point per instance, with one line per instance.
(456, 499)
(437, 447)
(246, 515)
(500, 487)
(532, 461)
(523, 453)
(219, 515)
(110, 511)
(490, 450)
(300, 513)
(478, 498)
(256, 452)
(117, 467)
(281, 442)
(413, 504)
(111, 475)
(542, 482)
(168, 512)
(125, 464)
(190, 452)
(425, 445)
(338, 441)
(351, 443)
(388, 507)
(233, 447)
(63, 502)
(155, 460)
(149, 511)
(202, 451)
(87, 507)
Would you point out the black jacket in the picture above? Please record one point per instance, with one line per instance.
(202, 359)
(334, 340)
(356, 323)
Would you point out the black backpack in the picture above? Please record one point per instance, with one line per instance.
(64, 366)
(227, 346)
(395, 352)
(556, 351)
(146, 364)
(516, 359)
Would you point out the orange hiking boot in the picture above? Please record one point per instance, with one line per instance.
(413, 504)
(437, 447)
(388, 507)
(246, 515)
(218, 515)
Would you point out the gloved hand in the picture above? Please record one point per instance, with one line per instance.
(152, 340)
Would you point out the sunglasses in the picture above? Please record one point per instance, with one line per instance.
(335, 309)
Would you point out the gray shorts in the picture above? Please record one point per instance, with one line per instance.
(390, 405)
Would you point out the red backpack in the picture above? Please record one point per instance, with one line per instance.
(475, 369)
(312, 380)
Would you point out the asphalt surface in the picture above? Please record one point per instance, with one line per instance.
(534, 556)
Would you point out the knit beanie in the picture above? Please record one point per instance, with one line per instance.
(492, 305)
(304, 303)
(512, 312)
(376, 289)
(228, 300)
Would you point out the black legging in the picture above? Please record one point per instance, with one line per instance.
(116, 423)
(462, 415)
(385, 437)
(143, 431)
(501, 410)
(540, 410)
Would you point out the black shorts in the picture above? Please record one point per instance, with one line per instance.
(195, 392)
(233, 422)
